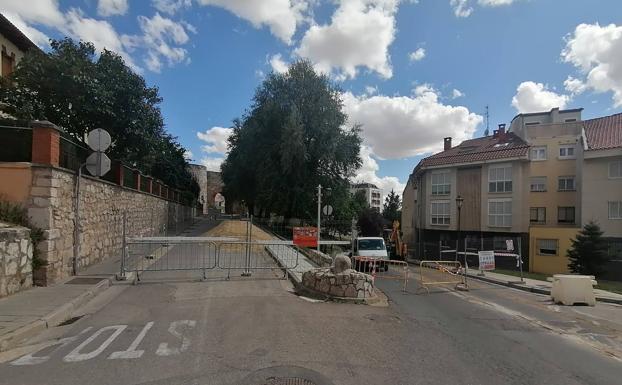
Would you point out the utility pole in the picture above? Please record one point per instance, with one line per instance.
(319, 212)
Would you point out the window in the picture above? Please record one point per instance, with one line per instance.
(8, 62)
(537, 183)
(566, 151)
(566, 183)
(441, 185)
(615, 169)
(532, 123)
(537, 215)
(547, 246)
(500, 179)
(500, 213)
(570, 120)
(614, 249)
(615, 210)
(440, 213)
(565, 214)
(538, 153)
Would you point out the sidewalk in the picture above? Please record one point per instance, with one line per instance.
(537, 286)
(27, 313)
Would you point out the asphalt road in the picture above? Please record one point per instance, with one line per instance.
(173, 328)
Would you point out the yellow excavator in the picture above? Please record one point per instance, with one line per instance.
(398, 248)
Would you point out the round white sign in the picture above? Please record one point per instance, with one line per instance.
(99, 140)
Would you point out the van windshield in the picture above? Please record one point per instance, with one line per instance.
(371, 244)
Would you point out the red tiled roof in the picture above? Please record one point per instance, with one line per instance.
(603, 133)
(479, 150)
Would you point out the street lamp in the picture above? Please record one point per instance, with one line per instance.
(459, 201)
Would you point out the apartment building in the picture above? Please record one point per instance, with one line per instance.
(373, 195)
(601, 189)
(554, 199)
(490, 175)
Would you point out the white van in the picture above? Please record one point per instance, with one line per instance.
(371, 247)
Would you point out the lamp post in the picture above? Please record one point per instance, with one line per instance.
(459, 201)
(319, 212)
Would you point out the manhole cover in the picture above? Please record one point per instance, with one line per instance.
(84, 281)
(288, 381)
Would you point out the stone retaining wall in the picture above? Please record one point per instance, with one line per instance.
(51, 206)
(15, 259)
(348, 284)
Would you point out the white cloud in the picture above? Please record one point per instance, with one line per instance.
(456, 93)
(281, 16)
(494, 3)
(417, 55)
(536, 97)
(212, 164)
(188, 155)
(278, 64)
(170, 7)
(359, 35)
(160, 37)
(597, 53)
(44, 12)
(99, 32)
(368, 173)
(216, 139)
(461, 8)
(403, 126)
(371, 90)
(574, 86)
(112, 7)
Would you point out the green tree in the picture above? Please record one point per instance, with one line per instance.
(78, 90)
(370, 223)
(292, 139)
(392, 208)
(588, 252)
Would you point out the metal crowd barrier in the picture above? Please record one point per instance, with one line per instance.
(439, 273)
(151, 254)
(382, 268)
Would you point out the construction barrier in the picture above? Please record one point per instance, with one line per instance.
(439, 273)
(382, 268)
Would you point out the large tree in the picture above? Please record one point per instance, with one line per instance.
(292, 139)
(588, 252)
(392, 209)
(78, 89)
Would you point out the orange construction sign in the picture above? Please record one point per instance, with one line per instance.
(305, 236)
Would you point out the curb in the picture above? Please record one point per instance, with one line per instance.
(536, 290)
(54, 318)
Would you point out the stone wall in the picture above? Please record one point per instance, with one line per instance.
(51, 206)
(348, 284)
(199, 173)
(15, 259)
(214, 186)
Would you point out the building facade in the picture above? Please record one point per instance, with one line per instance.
(13, 46)
(373, 195)
(488, 174)
(601, 198)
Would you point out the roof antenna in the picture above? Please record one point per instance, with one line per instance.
(487, 131)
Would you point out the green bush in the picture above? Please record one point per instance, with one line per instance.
(16, 214)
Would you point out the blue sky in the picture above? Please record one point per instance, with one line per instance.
(412, 72)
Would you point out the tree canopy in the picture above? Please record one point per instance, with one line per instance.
(588, 252)
(77, 89)
(392, 208)
(292, 139)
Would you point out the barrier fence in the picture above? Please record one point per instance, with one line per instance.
(433, 273)
(157, 254)
(383, 268)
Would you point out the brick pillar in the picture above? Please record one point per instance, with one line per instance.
(45, 143)
(150, 186)
(137, 176)
(119, 173)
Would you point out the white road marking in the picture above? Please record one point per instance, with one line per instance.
(30, 359)
(131, 352)
(75, 355)
(164, 350)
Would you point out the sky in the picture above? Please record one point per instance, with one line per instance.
(411, 72)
